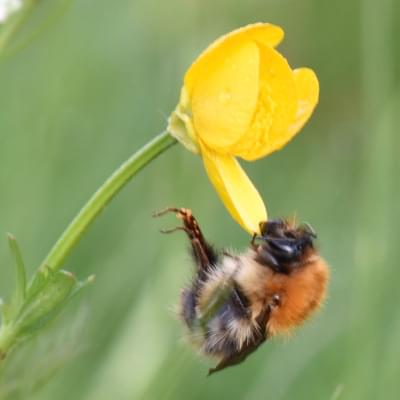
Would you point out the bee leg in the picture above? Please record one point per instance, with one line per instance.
(287, 249)
(260, 336)
(203, 253)
(264, 257)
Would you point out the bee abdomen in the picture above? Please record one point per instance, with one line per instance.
(227, 331)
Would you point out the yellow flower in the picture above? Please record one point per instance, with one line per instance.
(240, 98)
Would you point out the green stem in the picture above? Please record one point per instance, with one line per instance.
(102, 197)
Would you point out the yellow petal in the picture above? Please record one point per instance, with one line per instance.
(235, 189)
(275, 111)
(223, 84)
(267, 34)
(224, 99)
(307, 92)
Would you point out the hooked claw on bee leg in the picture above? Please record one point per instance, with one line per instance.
(190, 225)
(181, 213)
(172, 230)
(202, 251)
(167, 210)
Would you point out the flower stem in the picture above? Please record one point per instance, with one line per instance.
(102, 197)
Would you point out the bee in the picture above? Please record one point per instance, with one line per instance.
(234, 303)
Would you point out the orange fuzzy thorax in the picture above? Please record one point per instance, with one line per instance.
(301, 292)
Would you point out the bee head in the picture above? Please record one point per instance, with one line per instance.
(285, 246)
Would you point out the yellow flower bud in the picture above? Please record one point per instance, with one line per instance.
(240, 98)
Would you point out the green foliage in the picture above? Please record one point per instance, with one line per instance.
(44, 302)
(90, 90)
(30, 309)
(20, 275)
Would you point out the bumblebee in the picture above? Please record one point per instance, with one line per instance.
(235, 302)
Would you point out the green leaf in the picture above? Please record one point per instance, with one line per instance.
(20, 284)
(47, 296)
(38, 282)
(81, 285)
(5, 312)
(45, 303)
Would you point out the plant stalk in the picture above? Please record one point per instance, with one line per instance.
(102, 197)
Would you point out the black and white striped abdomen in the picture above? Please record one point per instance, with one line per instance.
(231, 325)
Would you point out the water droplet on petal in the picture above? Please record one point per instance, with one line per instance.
(225, 96)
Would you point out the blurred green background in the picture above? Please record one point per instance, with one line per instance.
(99, 81)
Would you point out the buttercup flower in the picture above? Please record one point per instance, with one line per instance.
(240, 98)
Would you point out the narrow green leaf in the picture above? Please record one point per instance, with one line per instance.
(4, 312)
(20, 276)
(38, 282)
(46, 303)
(81, 285)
